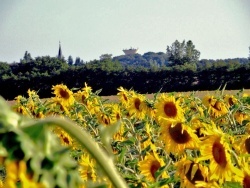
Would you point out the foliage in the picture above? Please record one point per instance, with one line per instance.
(70, 60)
(180, 53)
(159, 59)
(105, 57)
(145, 73)
(78, 62)
(32, 155)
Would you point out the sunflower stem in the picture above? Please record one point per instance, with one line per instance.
(86, 108)
(236, 158)
(89, 144)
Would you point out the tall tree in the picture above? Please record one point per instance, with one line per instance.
(179, 53)
(26, 58)
(78, 61)
(176, 52)
(191, 54)
(70, 60)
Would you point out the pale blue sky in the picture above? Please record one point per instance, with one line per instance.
(89, 28)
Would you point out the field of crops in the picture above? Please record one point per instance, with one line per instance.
(80, 139)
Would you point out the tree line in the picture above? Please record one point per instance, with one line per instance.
(179, 69)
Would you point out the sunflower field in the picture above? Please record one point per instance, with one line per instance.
(79, 139)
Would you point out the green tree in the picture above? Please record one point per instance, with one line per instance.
(78, 61)
(4, 69)
(26, 58)
(105, 57)
(70, 60)
(175, 52)
(191, 54)
(181, 52)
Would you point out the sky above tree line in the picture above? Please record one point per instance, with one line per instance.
(87, 29)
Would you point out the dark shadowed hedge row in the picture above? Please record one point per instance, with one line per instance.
(42, 73)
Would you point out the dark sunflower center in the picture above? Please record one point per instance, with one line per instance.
(61, 107)
(217, 106)
(125, 97)
(193, 109)
(170, 109)
(65, 139)
(178, 135)
(199, 133)
(209, 100)
(219, 154)
(154, 167)
(137, 103)
(118, 116)
(230, 101)
(64, 94)
(246, 181)
(106, 120)
(196, 177)
(83, 98)
(247, 145)
(21, 110)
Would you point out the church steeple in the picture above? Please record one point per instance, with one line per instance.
(60, 56)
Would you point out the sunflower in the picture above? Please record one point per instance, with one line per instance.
(93, 106)
(82, 95)
(178, 137)
(247, 128)
(150, 165)
(209, 184)
(61, 91)
(104, 119)
(190, 172)
(118, 136)
(1, 182)
(18, 174)
(87, 168)
(216, 108)
(57, 106)
(230, 100)
(87, 89)
(219, 109)
(39, 115)
(137, 106)
(208, 100)
(195, 109)
(31, 106)
(245, 173)
(242, 144)
(198, 126)
(21, 110)
(64, 137)
(215, 148)
(146, 138)
(33, 96)
(20, 100)
(32, 93)
(123, 95)
(168, 109)
(240, 117)
(116, 112)
(151, 112)
(20, 106)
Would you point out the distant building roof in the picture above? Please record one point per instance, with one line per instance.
(130, 51)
